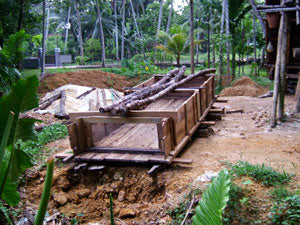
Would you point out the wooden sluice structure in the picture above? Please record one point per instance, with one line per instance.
(153, 134)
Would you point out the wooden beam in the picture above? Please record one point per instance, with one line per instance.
(96, 168)
(111, 119)
(208, 123)
(182, 161)
(124, 150)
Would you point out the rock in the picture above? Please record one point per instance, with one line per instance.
(60, 199)
(82, 193)
(121, 196)
(127, 213)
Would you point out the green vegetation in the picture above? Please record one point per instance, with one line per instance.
(213, 201)
(178, 213)
(286, 210)
(35, 148)
(264, 174)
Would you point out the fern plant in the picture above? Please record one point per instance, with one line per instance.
(213, 201)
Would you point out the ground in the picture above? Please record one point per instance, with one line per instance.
(142, 199)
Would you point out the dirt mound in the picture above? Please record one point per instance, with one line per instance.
(88, 192)
(91, 78)
(244, 87)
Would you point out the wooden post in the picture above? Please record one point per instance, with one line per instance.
(277, 74)
(192, 48)
(298, 96)
(283, 59)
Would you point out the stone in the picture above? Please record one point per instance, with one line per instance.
(121, 196)
(60, 199)
(127, 213)
(83, 193)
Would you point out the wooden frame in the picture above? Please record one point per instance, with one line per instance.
(174, 127)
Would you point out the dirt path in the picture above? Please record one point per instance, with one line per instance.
(140, 199)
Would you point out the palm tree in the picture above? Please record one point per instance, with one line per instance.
(177, 41)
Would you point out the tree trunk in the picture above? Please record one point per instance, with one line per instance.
(137, 28)
(101, 33)
(192, 48)
(277, 74)
(258, 16)
(47, 25)
(197, 48)
(158, 26)
(168, 23)
(21, 15)
(43, 42)
(116, 31)
(208, 41)
(169, 16)
(254, 46)
(283, 58)
(220, 46)
(227, 38)
(79, 30)
(67, 29)
(233, 54)
(123, 29)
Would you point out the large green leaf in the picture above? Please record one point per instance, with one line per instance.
(23, 97)
(214, 200)
(20, 161)
(9, 193)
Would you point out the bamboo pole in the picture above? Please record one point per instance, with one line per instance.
(277, 74)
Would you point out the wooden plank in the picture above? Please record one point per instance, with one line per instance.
(160, 135)
(81, 136)
(154, 169)
(73, 136)
(95, 168)
(178, 148)
(89, 135)
(206, 111)
(182, 161)
(208, 123)
(63, 155)
(203, 101)
(194, 128)
(117, 119)
(85, 156)
(125, 150)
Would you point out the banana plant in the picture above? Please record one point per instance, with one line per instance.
(13, 161)
(213, 201)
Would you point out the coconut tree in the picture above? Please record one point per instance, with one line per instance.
(177, 41)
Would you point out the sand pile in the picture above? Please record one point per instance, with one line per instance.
(89, 78)
(244, 87)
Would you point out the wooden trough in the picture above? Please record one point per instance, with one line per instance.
(154, 134)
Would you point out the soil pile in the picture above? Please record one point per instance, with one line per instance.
(88, 192)
(244, 87)
(90, 78)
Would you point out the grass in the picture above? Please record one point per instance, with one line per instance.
(264, 174)
(35, 148)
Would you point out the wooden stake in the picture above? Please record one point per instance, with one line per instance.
(277, 74)
(283, 58)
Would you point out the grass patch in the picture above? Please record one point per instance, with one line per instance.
(35, 148)
(264, 174)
